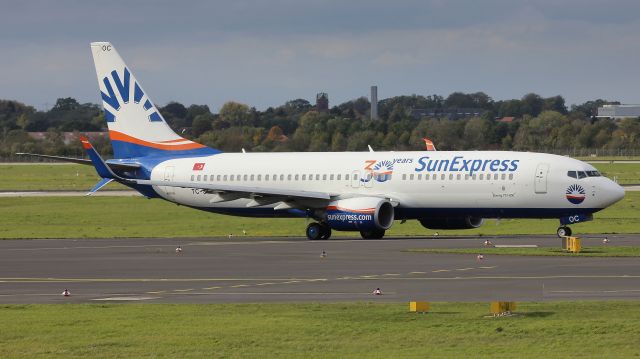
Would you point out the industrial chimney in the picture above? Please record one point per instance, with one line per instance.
(374, 102)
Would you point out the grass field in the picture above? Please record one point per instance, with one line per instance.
(106, 217)
(611, 251)
(30, 177)
(62, 176)
(362, 330)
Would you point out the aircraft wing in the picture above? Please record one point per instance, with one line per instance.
(114, 166)
(261, 195)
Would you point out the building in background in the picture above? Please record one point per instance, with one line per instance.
(322, 102)
(618, 111)
(374, 102)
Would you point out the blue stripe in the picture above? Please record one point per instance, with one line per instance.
(417, 213)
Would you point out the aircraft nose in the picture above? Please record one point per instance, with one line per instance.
(614, 193)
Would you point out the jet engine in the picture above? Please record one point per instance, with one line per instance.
(360, 214)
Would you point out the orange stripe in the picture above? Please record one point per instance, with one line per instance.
(178, 140)
(119, 136)
(366, 210)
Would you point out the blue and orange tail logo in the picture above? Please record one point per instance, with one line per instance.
(124, 89)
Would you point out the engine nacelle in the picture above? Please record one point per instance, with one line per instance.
(360, 214)
(466, 222)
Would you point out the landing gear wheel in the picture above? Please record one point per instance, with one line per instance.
(563, 231)
(314, 231)
(372, 234)
(325, 231)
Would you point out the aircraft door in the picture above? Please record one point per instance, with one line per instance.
(168, 177)
(355, 179)
(542, 172)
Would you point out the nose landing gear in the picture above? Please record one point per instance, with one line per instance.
(563, 231)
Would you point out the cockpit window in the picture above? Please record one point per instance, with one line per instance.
(593, 174)
(572, 174)
(581, 174)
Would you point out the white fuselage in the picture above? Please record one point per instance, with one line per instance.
(484, 183)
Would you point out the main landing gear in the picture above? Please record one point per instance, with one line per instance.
(563, 231)
(317, 231)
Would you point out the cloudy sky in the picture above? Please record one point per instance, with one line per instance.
(265, 52)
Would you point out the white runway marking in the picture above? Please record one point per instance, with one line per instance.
(125, 298)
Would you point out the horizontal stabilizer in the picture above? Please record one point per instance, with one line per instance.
(103, 182)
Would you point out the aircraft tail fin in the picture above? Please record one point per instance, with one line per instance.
(136, 127)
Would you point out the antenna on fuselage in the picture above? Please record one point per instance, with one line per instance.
(370, 149)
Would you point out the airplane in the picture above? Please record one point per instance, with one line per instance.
(343, 191)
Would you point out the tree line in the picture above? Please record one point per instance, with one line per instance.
(540, 124)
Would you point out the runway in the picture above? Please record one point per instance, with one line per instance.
(243, 269)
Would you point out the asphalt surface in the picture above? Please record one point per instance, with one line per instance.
(244, 269)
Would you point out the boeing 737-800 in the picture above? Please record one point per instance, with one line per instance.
(345, 191)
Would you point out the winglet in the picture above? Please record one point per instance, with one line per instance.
(429, 144)
(101, 167)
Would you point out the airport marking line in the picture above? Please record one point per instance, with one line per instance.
(211, 288)
(597, 291)
(183, 290)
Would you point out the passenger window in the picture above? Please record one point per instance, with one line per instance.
(581, 175)
(504, 176)
(473, 177)
(481, 176)
(204, 178)
(296, 177)
(331, 178)
(495, 176)
(572, 174)
(304, 177)
(411, 177)
(192, 177)
(458, 176)
(419, 176)
(346, 177)
(466, 176)
(450, 176)
(281, 177)
(324, 177)
(404, 176)
(426, 176)
(199, 177)
(510, 176)
(317, 177)
(251, 178)
(338, 178)
(442, 176)
(259, 177)
(218, 178)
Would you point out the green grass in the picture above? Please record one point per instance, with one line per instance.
(354, 330)
(625, 173)
(107, 217)
(603, 251)
(38, 177)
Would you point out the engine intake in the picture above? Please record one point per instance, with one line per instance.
(466, 222)
(361, 213)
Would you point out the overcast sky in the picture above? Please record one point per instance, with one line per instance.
(264, 53)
